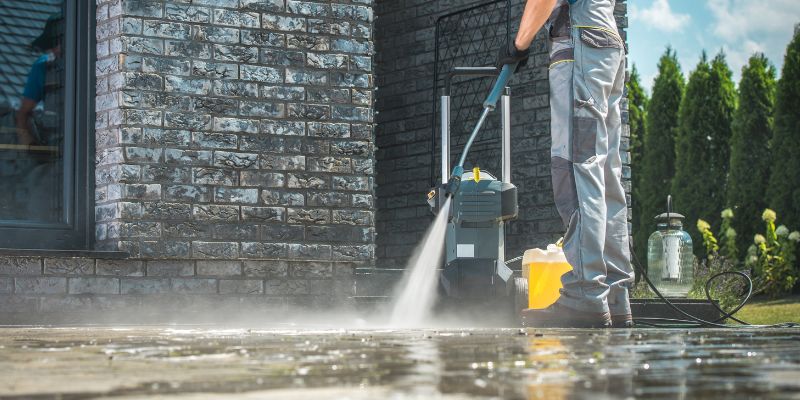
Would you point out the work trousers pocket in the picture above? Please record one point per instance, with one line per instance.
(598, 56)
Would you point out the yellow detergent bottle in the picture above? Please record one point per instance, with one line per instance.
(543, 270)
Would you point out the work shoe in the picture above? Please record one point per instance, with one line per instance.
(559, 316)
(622, 321)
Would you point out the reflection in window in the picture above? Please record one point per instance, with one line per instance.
(31, 111)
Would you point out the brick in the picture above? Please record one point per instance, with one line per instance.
(266, 269)
(262, 38)
(215, 250)
(263, 250)
(263, 5)
(312, 270)
(310, 251)
(235, 53)
(261, 109)
(241, 231)
(120, 267)
(274, 197)
(142, 8)
(283, 23)
(215, 70)
(248, 286)
(180, 12)
(283, 92)
(308, 8)
(194, 286)
(186, 49)
(40, 285)
(281, 163)
(235, 195)
(170, 268)
(229, 213)
(93, 285)
(282, 57)
(186, 85)
(263, 214)
(261, 179)
(20, 265)
(144, 286)
(68, 266)
(286, 287)
(213, 176)
(173, 30)
(219, 268)
(6, 285)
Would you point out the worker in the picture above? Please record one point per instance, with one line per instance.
(587, 80)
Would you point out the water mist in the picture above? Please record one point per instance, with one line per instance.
(416, 294)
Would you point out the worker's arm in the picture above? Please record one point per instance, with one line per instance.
(24, 113)
(533, 18)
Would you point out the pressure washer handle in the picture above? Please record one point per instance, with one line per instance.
(497, 90)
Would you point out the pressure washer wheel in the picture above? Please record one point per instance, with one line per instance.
(520, 295)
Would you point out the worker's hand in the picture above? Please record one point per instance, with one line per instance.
(510, 54)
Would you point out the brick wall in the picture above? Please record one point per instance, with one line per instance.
(67, 290)
(232, 129)
(405, 43)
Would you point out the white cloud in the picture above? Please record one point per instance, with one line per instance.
(740, 19)
(660, 16)
(745, 27)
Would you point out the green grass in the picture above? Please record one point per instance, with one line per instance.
(764, 311)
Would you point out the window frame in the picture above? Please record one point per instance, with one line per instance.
(76, 232)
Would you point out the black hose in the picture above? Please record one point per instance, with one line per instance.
(693, 321)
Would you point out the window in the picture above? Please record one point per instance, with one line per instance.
(45, 115)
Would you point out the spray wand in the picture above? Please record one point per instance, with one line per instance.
(490, 104)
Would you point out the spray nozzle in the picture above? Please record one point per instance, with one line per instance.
(454, 182)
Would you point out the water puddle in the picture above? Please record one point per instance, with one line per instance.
(398, 364)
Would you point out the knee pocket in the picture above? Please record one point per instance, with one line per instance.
(565, 192)
(584, 138)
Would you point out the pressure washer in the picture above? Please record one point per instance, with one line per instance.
(475, 269)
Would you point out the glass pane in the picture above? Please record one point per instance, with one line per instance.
(32, 77)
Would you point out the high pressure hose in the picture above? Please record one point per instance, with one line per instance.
(454, 182)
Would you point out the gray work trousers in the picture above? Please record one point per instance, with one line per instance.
(587, 80)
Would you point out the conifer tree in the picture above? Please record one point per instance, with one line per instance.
(750, 156)
(655, 170)
(637, 108)
(784, 184)
(702, 145)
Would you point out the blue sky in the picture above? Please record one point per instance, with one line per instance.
(739, 27)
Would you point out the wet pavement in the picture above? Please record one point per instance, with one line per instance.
(192, 362)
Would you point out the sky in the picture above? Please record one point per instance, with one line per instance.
(738, 27)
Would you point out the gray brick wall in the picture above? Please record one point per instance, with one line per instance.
(235, 129)
(48, 289)
(404, 36)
